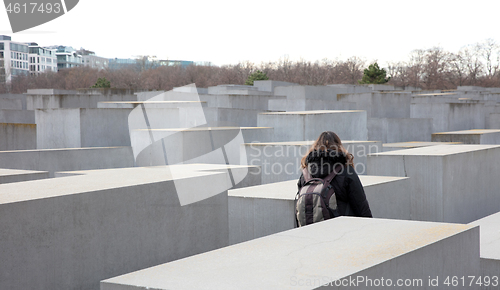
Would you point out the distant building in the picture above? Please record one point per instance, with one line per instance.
(14, 59)
(145, 63)
(119, 63)
(41, 59)
(91, 60)
(67, 57)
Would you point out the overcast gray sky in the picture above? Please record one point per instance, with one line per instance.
(225, 32)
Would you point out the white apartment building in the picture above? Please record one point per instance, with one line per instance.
(41, 59)
(14, 58)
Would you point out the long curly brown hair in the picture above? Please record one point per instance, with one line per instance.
(328, 140)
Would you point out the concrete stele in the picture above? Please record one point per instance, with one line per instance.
(490, 245)
(319, 254)
(15, 175)
(72, 232)
(448, 183)
(266, 209)
(476, 136)
(413, 144)
(307, 125)
(68, 159)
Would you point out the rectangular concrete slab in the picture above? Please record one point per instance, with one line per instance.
(15, 175)
(380, 104)
(154, 104)
(412, 144)
(490, 254)
(72, 232)
(11, 104)
(451, 116)
(53, 160)
(448, 183)
(17, 116)
(75, 128)
(307, 125)
(57, 99)
(389, 130)
(15, 136)
(320, 254)
(493, 121)
(266, 209)
(490, 245)
(476, 136)
(197, 145)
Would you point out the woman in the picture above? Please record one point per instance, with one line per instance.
(324, 155)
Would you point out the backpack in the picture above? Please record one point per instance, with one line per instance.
(316, 200)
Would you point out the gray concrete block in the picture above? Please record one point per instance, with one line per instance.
(11, 104)
(14, 103)
(72, 232)
(451, 116)
(490, 247)
(144, 96)
(75, 128)
(293, 105)
(448, 183)
(190, 89)
(53, 160)
(399, 130)
(221, 117)
(269, 85)
(307, 125)
(196, 145)
(318, 255)
(493, 121)
(477, 136)
(352, 89)
(267, 209)
(280, 161)
(17, 116)
(57, 99)
(325, 93)
(234, 90)
(412, 144)
(14, 175)
(150, 104)
(381, 105)
(15, 136)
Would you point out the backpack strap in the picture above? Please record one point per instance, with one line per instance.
(332, 174)
(306, 174)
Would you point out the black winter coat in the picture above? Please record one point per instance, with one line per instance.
(347, 186)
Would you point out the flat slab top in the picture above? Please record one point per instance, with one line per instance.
(286, 190)
(204, 129)
(102, 179)
(326, 251)
(489, 236)
(305, 143)
(313, 112)
(12, 172)
(150, 102)
(65, 149)
(470, 132)
(415, 144)
(438, 150)
(435, 94)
